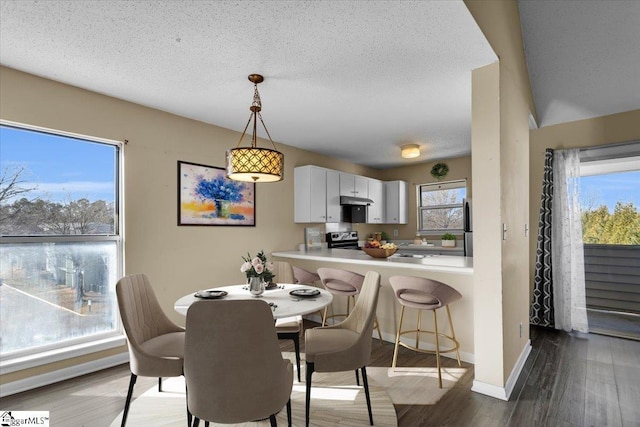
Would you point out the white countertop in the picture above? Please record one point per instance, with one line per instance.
(442, 263)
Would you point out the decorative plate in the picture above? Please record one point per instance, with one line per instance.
(213, 294)
(305, 293)
(439, 170)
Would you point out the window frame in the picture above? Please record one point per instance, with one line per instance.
(42, 355)
(448, 185)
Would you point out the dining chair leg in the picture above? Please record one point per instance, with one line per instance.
(196, 422)
(206, 424)
(435, 322)
(395, 350)
(289, 413)
(357, 378)
(132, 382)
(309, 372)
(159, 384)
(186, 404)
(296, 345)
(366, 393)
(295, 337)
(272, 421)
(377, 326)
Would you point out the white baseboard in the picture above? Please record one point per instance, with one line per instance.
(503, 393)
(62, 374)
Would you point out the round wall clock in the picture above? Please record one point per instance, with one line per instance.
(439, 170)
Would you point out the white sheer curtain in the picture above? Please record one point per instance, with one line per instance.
(569, 299)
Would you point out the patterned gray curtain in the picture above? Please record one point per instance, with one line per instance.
(541, 312)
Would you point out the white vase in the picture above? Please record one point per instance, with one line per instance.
(256, 286)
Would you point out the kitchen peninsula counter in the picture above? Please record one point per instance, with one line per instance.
(435, 263)
(455, 271)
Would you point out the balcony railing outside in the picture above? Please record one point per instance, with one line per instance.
(612, 276)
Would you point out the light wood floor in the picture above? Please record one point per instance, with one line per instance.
(568, 380)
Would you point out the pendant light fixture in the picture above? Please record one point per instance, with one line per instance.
(410, 151)
(255, 164)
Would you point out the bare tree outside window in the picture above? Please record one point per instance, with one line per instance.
(441, 207)
(61, 249)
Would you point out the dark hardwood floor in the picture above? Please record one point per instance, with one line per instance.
(570, 379)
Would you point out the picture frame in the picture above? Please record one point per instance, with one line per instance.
(207, 197)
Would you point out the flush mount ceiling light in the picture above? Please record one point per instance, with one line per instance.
(410, 151)
(255, 164)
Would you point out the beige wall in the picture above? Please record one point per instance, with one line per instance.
(500, 23)
(487, 259)
(417, 174)
(603, 130)
(177, 259)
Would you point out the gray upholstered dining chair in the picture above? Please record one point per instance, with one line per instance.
(288, 328)
(233, 367)
(156, 344)
(347, 345)
(346, 283)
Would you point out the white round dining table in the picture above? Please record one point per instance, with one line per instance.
(282, 303)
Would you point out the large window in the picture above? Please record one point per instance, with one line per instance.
(441, 207)
(60, 244)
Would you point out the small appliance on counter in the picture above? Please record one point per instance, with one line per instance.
(342, 240)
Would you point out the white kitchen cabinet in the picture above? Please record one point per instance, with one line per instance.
(333, 196)
(396, 202)
(316, 194)
(375, 211)
(353, 185)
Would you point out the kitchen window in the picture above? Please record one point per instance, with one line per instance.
(60, 245)
(441, 207)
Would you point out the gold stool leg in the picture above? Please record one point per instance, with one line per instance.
(418, 328)
(453, 335)
(435, 321)
(324, 316)
(395, 350)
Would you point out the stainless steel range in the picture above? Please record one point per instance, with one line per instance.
(342, 240)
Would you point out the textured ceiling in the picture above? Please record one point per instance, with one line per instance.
(583, 57)
(350, 79)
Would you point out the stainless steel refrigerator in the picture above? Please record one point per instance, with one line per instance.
(468, 229)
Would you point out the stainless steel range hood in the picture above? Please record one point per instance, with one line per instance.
(348, 200)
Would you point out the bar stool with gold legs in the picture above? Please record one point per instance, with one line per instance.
(345, 283)
(425, 294)
(305, 277)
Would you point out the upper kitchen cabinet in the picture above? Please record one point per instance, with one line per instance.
(334, 210)
(396, 202)
(316, 192)
(353, 185)
(375, 211)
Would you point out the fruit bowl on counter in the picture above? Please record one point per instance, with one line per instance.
(380, 251)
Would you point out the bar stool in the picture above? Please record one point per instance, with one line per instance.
(425, 294)
(343, 283)
(305, 277)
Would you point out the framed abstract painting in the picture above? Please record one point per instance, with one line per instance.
(207, 197)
